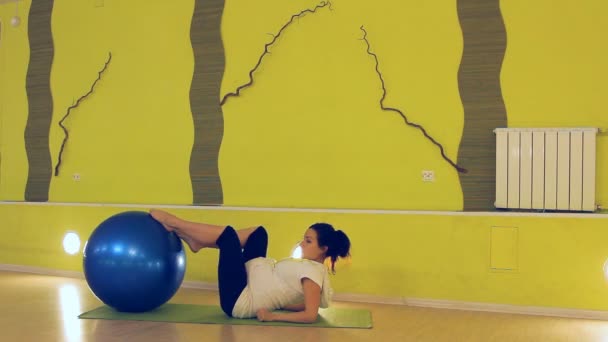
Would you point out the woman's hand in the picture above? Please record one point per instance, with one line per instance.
(309, 312)
(265, 316)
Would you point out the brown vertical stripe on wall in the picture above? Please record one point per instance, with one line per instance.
(484, 109)
(40, 101)
(209, 61)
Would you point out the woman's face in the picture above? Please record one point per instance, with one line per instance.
(310, 247)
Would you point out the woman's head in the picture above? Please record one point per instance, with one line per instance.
(322, 241)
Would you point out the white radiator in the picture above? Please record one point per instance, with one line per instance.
(545, 168)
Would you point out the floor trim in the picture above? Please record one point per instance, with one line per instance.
(476, 306)
(363, 298)
(41, 271)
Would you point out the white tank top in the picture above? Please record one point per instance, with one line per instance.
(273, 284)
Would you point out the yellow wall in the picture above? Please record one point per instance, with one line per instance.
(559, 260)
(310, 132)
(554, 72)
(134, 133)
(14, 58)
(309, 129)
(131, 140)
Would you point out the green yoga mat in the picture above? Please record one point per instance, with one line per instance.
(211, 314)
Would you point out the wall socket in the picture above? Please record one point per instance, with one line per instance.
(76, 177)
(428, 176)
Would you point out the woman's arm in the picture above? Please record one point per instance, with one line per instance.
(294, 307)
(310, 309)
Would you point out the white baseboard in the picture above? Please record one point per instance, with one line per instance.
(41, 271)
(200, 285)
(508, 308)
(475, 306)
(363, 298)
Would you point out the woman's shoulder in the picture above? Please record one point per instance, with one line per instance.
(300, 260)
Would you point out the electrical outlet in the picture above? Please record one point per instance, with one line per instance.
(76, 177)
(428, 176)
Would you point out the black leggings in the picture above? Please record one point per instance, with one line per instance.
(231, 272)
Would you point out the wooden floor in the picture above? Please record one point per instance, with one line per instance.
(44, 308)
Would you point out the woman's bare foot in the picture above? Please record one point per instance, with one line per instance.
(170, 222)
(194, 246)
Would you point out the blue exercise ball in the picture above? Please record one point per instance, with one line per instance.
(132, 263)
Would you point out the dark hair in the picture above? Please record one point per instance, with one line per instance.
(336, 241)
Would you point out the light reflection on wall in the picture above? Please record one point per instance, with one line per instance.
(71, 243)
(70, 309)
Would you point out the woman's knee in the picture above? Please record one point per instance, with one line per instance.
(228, 236)
(259, 238)
(261, 232)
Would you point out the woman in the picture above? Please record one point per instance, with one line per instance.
(252, 285)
